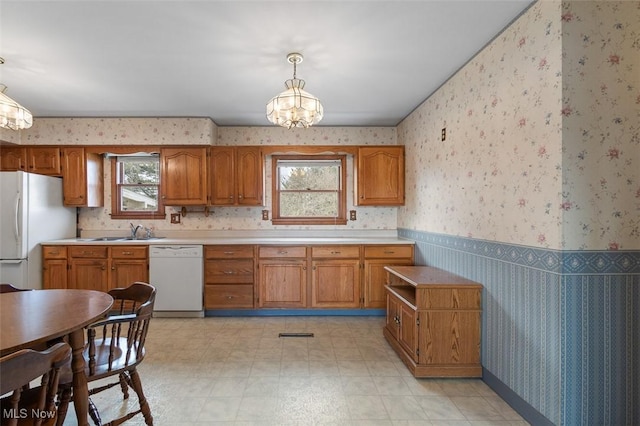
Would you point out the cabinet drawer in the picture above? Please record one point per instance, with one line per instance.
(228, 252)
(54, 252)
(332, 252)
(389, 252)
(283, 251)
(227, 296)
(228, 271)
(129, 252)
(95, 252)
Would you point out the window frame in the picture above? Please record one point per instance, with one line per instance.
(116, 195)
(341, 219)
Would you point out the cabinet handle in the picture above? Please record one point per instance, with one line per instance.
(231, 197)
(335, 252)
(389, 252)
(113, 268)
(87, 252)
(229, 297)
(230, 253)
(283, 252)
(103, 268)
(54, 253)
(227, 272)
(127, 252)
(240, 196)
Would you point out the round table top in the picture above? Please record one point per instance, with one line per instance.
(28, 318)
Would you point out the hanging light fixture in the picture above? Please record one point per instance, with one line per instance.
(294, 107)
(13, 116)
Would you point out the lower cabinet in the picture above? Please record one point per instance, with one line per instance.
(94, 267)
(335, 272)
(434, 321)
(229, 276)
(282, 277)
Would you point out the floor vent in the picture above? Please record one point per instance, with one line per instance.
(295, 335)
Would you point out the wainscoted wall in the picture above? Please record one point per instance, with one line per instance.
(560, 329)
(535, 193)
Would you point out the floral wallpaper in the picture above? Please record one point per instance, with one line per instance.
(541, 145)
(601, 125)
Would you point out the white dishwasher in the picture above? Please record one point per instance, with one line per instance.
(176, 271)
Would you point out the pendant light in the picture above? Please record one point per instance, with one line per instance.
(13, 116)
(294, 107)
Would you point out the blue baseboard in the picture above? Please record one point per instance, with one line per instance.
(521, 406)
(294, 312)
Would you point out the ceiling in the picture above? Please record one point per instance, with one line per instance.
(370, 62)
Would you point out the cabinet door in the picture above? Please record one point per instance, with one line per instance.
(124, 272)
(450, 337)
(88, 274)
(184, 176)
(13, 159)
(393, 316)
(223, 171)
(44, 160)
(54, 273)
(335, 283)
(407, 333)
(380, 176)
(82, 178)
(249, 180)
(282, 283)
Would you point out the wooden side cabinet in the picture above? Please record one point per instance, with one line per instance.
(237, 176)
(229, 276)
(379, 176)
(434, 321)
(184, 176)
(82, 178)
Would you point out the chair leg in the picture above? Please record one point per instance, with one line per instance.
(63, 405)
(94, 413)
(136, 384)
(124, 385)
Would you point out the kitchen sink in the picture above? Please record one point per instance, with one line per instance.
(124, 239)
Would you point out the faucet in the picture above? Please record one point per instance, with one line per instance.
(134, 231)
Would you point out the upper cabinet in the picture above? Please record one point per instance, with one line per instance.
(13, 158)
(379, 176)
(236, 176)
(43, 160)
(184, 174)
(82, 178)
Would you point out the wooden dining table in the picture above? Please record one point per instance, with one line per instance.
(29, 319)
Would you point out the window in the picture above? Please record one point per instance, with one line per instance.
(309, 189)
(136, 187)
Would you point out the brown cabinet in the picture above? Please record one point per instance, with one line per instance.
(376, 257)
(128, 265)
(94, 267)
(88, 268)
(379, 176)
(236, 176)
(282, 278)
(43, 160)
(54, 267)
(184, 173)
(229, 276)
(82, 178)
(433, 321)
(335, 281)
(13, 158)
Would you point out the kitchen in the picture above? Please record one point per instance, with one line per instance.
(471, 237)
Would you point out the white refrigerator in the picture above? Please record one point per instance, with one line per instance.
(31, 212)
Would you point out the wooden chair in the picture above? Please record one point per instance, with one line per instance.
(115, 347)
(8, 288)
(24, 405)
